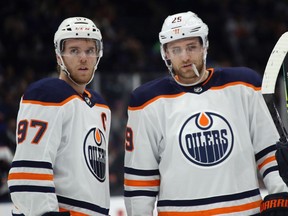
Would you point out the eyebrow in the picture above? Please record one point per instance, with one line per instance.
(77, 47)
(178, 46)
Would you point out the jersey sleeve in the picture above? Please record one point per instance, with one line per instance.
(31, 176)
(142, 178)
(264, 137)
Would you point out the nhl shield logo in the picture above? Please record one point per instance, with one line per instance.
(95, 153)
(206, 139)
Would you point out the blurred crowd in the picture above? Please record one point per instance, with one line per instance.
(241, 32)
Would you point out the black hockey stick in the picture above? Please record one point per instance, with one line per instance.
(276, 64)
(273, 68)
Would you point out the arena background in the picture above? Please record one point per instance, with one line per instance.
(241, 33)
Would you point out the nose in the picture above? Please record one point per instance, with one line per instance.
(185, 54)
(83, 56)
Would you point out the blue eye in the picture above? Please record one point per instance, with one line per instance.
(74, 52)
(91, 52)
(176, 50)
(191, 48)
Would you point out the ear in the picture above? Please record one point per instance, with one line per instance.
(167, 55)
(58, 59)
(163, 53)
(205, 53)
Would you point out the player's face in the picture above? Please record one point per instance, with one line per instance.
(182, 54)
(80, 56)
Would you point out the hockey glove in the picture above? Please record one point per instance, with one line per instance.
(282, 160)
(56, 214)
(275, 205)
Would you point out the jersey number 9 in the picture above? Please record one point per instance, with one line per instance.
(129, 145)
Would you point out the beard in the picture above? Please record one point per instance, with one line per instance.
(200, 68)
(188, 76)
(81, 80)
(190, 73)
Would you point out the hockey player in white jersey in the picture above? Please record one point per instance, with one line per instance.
(195, 139)
(60, 166)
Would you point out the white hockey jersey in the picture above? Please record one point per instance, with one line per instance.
(61, 160)
(197, 149)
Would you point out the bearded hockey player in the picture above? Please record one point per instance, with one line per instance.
(195, 139)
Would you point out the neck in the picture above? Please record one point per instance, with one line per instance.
(78, 88)
(204, 76)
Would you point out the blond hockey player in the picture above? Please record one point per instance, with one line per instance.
(61, 167)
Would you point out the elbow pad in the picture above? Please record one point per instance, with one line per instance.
(282, 160)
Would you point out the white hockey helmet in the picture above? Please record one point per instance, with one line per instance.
(182, 25)
(78, 27)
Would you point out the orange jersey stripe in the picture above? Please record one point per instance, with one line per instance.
(50, 104)
(88, 93)
(209, 77)
(216, 211)
(266, 161)
(154, 99)
(236, 83)
(30, 176)
(59, 104)
(142, 183)
(73, 213)
(179, 94)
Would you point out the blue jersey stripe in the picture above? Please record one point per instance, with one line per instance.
(269, 170)
(31, 188)
(211, 200)
(140, 193)
(138, 172)
(33, 164)
(265, 152)
(82, 204)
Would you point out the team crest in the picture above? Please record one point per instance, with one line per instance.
(95, 153)
(206, 139)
